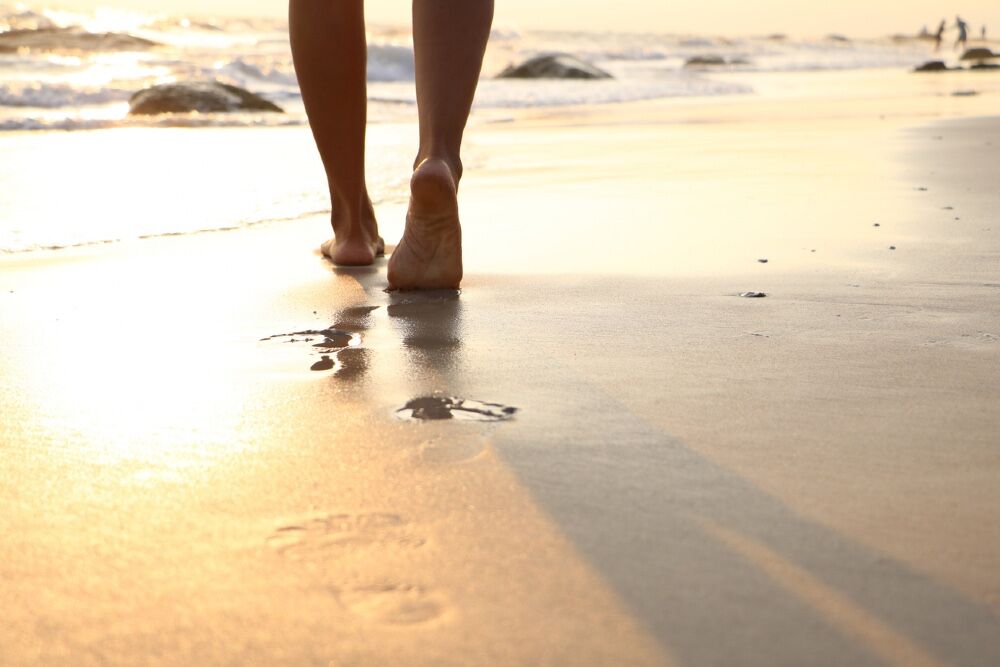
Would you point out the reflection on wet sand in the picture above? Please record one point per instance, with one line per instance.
(425, 326)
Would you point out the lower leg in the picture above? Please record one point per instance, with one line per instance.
(449, 41)
(329, 51)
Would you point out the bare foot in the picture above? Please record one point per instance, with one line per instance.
(354, 245)
(429, 256)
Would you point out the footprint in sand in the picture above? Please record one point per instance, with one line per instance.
(429, 408)
(323, 535)
(336, 347)
(393, 603)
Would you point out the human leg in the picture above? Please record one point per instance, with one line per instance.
(449, 40)
(330, 54)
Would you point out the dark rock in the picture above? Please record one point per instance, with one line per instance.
(981, 65)
(554, 66)
(714, 61)
(979, 53)
(71, 39)
(705, 61)
(753, 295)
(203, 97)
(762, 260)
(932, 66)
(964, 93)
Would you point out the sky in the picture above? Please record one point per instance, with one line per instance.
(860, 18)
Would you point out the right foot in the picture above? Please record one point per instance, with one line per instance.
(354, 245)
(429, 256)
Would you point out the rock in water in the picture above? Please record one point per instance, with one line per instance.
(979, 53)
(705, 61)
(931, 66)
(203, 97)
(554, 66)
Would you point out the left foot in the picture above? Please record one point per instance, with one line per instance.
(354, 244)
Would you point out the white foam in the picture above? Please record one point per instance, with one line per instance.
(51, 96)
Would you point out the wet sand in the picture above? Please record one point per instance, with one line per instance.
(684, 477)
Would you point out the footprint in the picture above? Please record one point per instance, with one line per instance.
(329, 344)
(393, 603)
(327, 339)
(440, 451)
(449, 407)
(319, 536)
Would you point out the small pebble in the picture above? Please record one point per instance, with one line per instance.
(762, 260)
(753, 295)
(892, 247)
(813, 250)
(921, 189)
(876, 225)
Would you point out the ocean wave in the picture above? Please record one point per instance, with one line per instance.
(243, 73)
(234, 120)
(244, 224)
(390, 62)
(512, 94)
(53, 96)
(71, 40)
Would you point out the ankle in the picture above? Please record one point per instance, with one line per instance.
(453, 161)
(349, 213)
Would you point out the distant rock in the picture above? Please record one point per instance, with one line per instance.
(554, 66)
(713, 61)
(979, 53)
(203, 97)
(72, 39)
(705, 61)
(931, 66)
(982, 65)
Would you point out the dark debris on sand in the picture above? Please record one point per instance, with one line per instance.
(448, 407)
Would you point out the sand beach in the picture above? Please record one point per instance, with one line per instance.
(212, 445)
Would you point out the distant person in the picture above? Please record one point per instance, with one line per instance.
(963, 32)
(329, 51)
(939, 35)
(982, 33)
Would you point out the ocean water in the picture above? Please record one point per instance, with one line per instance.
(54, 87)
(82, 69)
